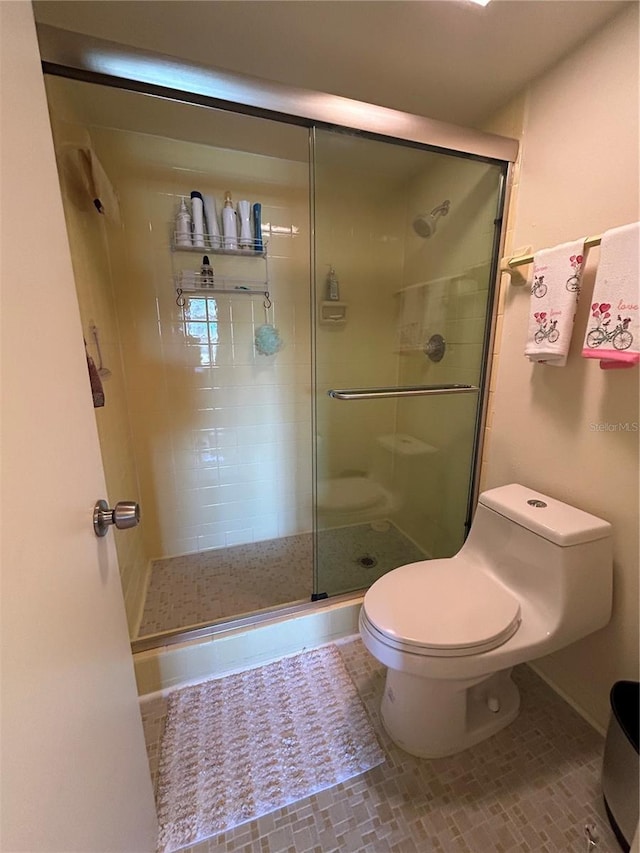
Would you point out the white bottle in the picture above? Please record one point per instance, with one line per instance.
(244, 215)
(183, 226)
(197, 211)
(213, 228)
(229, 223)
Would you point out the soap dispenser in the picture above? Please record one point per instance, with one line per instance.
(229, 223)
(333, 286)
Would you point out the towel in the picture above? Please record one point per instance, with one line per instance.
(554, 296)
(91, 180)
(613, 332)
(97, 391)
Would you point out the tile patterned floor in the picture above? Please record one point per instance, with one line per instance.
(229, 582)
(532, 787)
(356, 556)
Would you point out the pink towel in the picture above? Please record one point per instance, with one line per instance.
(613, 332)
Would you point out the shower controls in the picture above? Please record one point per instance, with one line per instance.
(125, 514)
(435, 348)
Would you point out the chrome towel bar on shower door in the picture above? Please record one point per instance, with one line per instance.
(399, 391)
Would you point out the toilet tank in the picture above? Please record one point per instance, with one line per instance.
(556, 558)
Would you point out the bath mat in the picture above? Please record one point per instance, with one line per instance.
(242, 746)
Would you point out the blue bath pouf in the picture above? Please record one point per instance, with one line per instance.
(268, 340)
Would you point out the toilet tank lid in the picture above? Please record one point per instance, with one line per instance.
(558, 522)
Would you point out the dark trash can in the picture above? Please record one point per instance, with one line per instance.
(621, 767)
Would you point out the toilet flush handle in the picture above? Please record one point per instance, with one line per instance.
(124, 514)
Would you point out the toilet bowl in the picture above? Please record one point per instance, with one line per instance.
(533, 576)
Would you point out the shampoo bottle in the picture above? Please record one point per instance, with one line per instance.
(211, 215)
(183, 226)
(258, 245)
(197, 211)
(244, 215)
(229, 223)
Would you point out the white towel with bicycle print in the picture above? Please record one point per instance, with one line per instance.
(554, 295)
(613, 330)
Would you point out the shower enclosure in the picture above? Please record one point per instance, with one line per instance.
(268, 481)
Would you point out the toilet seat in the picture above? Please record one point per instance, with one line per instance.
(443, 608)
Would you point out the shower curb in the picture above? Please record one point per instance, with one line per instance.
(168, 667)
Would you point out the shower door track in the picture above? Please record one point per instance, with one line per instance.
(221, 626)
(82, 57)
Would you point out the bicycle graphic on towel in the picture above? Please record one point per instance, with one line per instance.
(549, 332)
(620, 335)
(539, 288)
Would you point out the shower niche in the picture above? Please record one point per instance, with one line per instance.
(258, 489)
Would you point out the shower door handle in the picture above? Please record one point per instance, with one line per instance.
(399, 391)
(125, 514)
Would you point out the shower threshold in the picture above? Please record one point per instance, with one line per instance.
(241, 623)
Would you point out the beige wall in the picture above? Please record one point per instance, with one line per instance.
(579, 176)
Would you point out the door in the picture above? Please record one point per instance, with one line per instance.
(74, 768)
(405, 250)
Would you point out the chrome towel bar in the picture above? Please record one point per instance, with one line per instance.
(399, 391)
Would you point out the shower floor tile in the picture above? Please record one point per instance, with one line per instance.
(228, 582)
(354, 557)
(532, 787)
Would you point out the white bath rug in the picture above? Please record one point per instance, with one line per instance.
(242, 746)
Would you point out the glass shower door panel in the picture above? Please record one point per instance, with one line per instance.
(410, 236)
(398, 494)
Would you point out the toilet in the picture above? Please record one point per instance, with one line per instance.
(533, 576)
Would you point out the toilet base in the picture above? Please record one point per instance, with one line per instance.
(433, 718)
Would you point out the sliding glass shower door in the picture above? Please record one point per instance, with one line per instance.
(405, 240)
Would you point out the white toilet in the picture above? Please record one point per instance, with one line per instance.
(533, 576)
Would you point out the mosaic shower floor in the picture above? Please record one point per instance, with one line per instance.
(228, 582)
(354, 557)
(531, 787)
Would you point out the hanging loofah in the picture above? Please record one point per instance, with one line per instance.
(268, 340)
(267, 337)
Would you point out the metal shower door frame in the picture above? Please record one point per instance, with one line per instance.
(80, 57)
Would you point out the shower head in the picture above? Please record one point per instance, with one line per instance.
(425, 223)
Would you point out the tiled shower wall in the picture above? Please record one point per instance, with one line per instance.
(222, 435)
